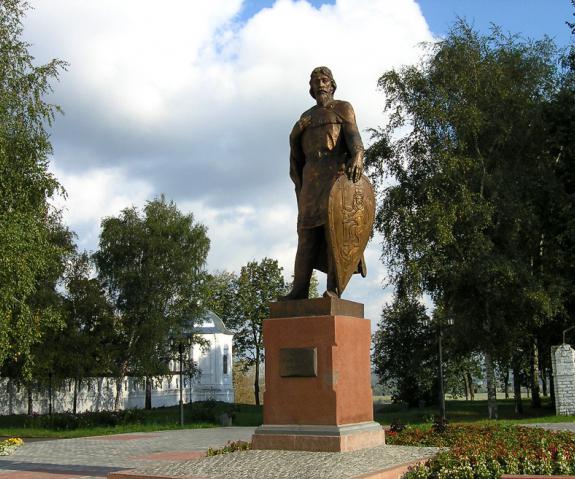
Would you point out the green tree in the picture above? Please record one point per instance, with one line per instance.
(403, 353)
(257, 285)
(464, 218)
(27, 253)
(88, 345)
(220, 293)
(152, 266)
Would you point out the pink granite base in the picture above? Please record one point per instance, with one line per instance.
(334, 439)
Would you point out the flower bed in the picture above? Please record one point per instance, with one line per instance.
(8, 446)
(488, 451)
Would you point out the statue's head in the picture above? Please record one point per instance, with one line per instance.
(317, 79)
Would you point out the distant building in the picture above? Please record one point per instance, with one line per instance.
(214, 381)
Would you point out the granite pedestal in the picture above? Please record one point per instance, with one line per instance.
(318, 378)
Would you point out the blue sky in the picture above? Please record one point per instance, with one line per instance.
(530, 18)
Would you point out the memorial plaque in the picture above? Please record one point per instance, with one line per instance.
(298, 362)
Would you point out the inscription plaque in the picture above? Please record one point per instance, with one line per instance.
(298, 362)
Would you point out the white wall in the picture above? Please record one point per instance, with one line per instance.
(98, 394)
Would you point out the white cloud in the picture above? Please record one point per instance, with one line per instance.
(95, 194)
(187, 99)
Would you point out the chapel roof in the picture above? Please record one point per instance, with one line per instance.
(210, 323)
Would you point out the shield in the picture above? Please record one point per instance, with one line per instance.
(350, 216)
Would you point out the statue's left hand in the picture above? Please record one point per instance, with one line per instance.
(355, 168)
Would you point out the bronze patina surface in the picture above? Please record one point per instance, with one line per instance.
(351, 212)
(325, 145)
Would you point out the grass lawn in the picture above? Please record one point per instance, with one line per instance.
(469, 411)
(26, 432)
(250, 415)
(158, 419)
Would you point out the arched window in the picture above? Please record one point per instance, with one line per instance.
(225, 360)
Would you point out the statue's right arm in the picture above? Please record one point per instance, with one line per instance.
(295, 172)
(296, 155)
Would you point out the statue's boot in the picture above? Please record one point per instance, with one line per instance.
(303, 268)
(332, 290)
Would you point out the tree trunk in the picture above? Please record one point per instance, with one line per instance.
(10, 388)
(491, 390)
(535, 397)
(543, 374)
(257, 380)
(119, 384)
(517, 390)
(30, 400)
(148, 401)
(75, 398)
(471, 386)
(466, 385)
(506, 383)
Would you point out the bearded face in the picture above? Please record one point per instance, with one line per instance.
(322, 88)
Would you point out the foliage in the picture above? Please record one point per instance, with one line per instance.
(257, 285)
(396, 426)
(85, 347)
(220, 293)
(107, 422)
(484, 452)
(403, 353)
(466, 215)
(68, 421)
(209, 411)
(8, 446)
(152, 266)
(231, 446)
(27, 251)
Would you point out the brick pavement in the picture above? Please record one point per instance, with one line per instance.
(377, 462)
(96, 457)
(180, 454)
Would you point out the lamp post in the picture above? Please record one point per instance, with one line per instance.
(566, 331)
(181, 353)
(182, 342)
(50, 393)
(441, 388)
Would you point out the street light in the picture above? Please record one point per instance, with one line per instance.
(441, 390)
(181, 341)
(566, 331)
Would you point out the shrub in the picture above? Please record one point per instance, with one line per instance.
(396, 425)
(8, 446)
(231, 446)
(67, 421)
(209, 411)
(487, 451)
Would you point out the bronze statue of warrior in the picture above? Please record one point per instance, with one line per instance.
(336, 205)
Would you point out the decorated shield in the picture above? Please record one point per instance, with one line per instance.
(350, 213)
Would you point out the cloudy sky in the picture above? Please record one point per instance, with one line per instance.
(195, 99)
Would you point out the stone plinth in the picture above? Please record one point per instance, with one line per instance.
(318, 378)
(563, 365)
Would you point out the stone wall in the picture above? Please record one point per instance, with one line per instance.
(563, 363)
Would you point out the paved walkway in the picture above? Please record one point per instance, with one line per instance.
(95, 457)
(554, 426)
(180, 454)
(373, 462)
